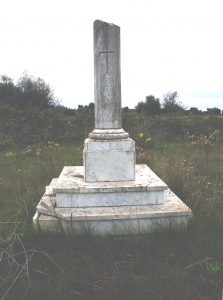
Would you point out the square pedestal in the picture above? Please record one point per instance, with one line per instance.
(109, 160)
(72, 191)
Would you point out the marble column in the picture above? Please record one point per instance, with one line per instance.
(107, 77)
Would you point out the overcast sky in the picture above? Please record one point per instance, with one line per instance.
(166, 45)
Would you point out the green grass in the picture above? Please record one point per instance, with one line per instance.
(172, 265)
(24, 175)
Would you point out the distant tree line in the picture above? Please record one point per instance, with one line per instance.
(170, 104)
(30, 114)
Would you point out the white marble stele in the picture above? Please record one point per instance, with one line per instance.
(109, 160)
(72, 206)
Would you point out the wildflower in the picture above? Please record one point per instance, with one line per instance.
(193, 140)
(205, 140)
(38, 151)
(10, 154)
(27, 151)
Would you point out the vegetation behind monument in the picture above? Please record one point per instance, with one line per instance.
(183, 147)
(31, 114)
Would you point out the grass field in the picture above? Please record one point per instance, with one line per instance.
(172, 265)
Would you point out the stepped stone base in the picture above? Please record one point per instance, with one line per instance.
(72, 191)
(173, 214)
(72, 206)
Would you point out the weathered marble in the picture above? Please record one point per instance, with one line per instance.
(117, 155)
(92, 145)
(112, 227)
(107, 75)
(49, 188)
(105, 146)
(172, 214)
(110, 194)
(109, 199)
(108, 134)
(46, 223)
(71, 180)
(73, 191)
(47, 205)
(107, 83)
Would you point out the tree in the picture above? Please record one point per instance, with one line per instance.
(91, 106)
(125, 109)
(195, 111)
(6, 80)
(140, 107)
(80, 108)
(214, 111)
(151, 106)
(7, 90)
(34, 92)
(171, 103)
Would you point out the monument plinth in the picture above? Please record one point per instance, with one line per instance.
(110, 194)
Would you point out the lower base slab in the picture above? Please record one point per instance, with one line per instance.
(173, 214)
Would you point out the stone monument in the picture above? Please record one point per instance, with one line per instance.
(110, 194)
(108, 145)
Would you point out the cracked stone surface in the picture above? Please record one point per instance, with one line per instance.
(71, 180)
(72, 191)
(103, 219)
(172, 206)
(117, 155)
